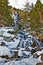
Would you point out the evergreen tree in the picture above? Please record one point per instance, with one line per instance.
(27, 6)
(32, 5)
(39, 8)
(35, 15)
(5, 16)
(38, 5)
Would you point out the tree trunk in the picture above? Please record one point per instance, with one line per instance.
(41, 18)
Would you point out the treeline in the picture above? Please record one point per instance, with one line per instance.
(32, 14)
(36, 15)
(5, 17)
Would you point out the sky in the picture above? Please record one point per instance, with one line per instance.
(19, 3)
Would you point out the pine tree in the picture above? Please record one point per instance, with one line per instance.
(36, 15)
(5, 16)
(38, 5)
(27, 6)
(32, 5)
(38, 8)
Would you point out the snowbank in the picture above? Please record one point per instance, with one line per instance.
(4, 51)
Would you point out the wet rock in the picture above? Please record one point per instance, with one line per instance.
(41, 63)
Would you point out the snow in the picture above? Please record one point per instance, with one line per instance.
(27, 53)
(22, 49)
(31, 61)
(16, 45)
(30, 48)
(6, 29)
(26, 61)
(8, 35)
(20, 53)
(1, 39)
(2, 59)
(12, 44)
(39, 52)
(39, 58)
(4, 32)
(4, 51)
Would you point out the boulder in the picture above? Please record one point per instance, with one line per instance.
(38, 48)
(42, 57)
(41, 63)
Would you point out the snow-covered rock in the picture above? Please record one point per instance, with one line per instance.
(8, 35)
(18, 44)
(6, 29)
(20, 54)
(1, 39)
(4, 32)
(27, 53)
(12, 44)
(4, 51)
(2, 60)
(39, 52)
(26, 61)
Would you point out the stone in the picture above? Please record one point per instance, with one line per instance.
(38, 49)
(42, 57)
(40, 63)
(35, 56)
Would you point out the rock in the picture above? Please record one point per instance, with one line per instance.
(33, 45)
(5, 51)
(20, 54)
(33, 51)
(41, 63)
(42, 57)
(27, 49)
(38, 48)
(2, 44)
(6, 56)
(35, 56)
